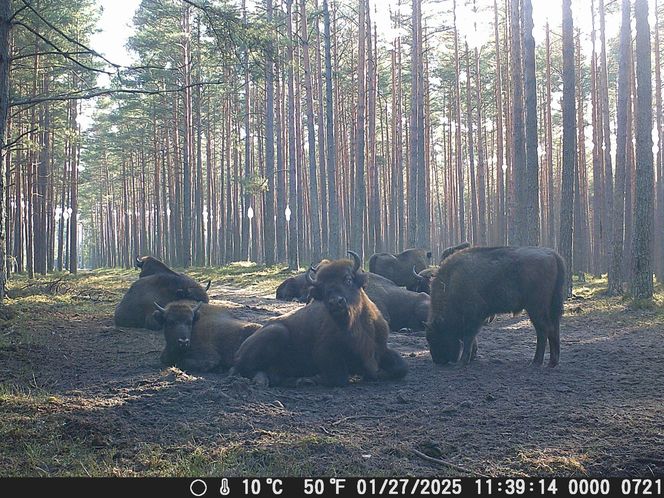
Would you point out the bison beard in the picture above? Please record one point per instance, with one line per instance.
(340, 333)
(200, 337)
(476, 283)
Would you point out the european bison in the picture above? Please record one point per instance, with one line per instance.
(150, 265)
(136, 307)
(296, 288)
(424, 277)
(399, 268)
(403, 309)
(200, 337)
(478, 282)
(338, 334)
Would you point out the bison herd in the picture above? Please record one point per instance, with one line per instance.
(342, 330)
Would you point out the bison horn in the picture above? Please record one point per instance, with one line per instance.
(195, 309)
(207, 287)
(309, 276)
(419, 277)
(156, 305)
(139, 262)
(356, 259)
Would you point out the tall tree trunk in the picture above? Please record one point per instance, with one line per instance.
(616, 276)
(360, 187)
(334, 242)
(569, 145)
(531, 229)
(314, 206)
(269, 223)
(549, 147)
(5, 26)
(500, 174)
(606, 131)
(642, 282)
(659, 217)
(518, 213)
(295, 210)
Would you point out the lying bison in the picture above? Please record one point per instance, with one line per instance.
(200, 337)
(399, 268)
(422, 282)
(296, 288)
(478, 282)
(338, 334)
(150, 265)
(403, 309)
(137, 306)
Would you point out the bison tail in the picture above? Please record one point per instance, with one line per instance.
(558, 299)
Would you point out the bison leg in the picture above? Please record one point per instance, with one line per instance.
(392, 365)
(554, 344)
(543, 328)
(473, 352)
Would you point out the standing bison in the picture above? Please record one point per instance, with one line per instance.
(478, 282)
(340, 333)
(200, 337)
(136, 307)
(399, 268)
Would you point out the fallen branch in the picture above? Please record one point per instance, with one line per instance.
(354, 417)
(426, 457)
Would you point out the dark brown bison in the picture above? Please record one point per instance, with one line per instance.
(399, 268)
(200, 337)
(340, 333)
(478, 282)
(424, 277)
(296, 288)
(403, 309)
(137, 306)
(150, 265)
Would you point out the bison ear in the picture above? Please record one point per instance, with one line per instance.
(181, 294)
(361, 279)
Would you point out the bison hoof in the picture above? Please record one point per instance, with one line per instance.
(261, 379)
(405, 330)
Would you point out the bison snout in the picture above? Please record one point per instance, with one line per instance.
(183, 343)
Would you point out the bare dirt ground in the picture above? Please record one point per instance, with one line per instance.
(85, 398)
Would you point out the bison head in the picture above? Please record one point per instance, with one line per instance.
(338, 284)
(422, 281)
(177, 320)
(444, 346)
(192, 290)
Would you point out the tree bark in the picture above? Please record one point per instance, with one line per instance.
(642, 282)
(569, 145)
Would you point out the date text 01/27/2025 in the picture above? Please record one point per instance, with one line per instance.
(339, 486)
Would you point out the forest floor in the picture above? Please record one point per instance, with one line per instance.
(81, 397)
